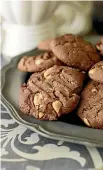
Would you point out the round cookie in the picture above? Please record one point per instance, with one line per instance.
(91, 105)
(75, 52)
(45, 45)
(38, 63)
(96, 72)
(69, 77)
(99, 46)
(45, 100)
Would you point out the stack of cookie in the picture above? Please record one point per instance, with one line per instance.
(90, 108)
(56, 86)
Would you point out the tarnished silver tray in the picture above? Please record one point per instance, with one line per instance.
(68, 128)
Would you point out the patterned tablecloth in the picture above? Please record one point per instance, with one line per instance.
(22, 149)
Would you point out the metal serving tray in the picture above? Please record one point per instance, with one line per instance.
(68, 128)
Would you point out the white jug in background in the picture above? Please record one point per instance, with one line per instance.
(26, 23)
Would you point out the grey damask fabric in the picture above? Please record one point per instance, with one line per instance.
(22, 149)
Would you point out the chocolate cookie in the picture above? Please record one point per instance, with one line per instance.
(75, 52)
(45, 45)
(38, 63)
(45, 99)
(96, 72)
(99, 46)
(91, 105)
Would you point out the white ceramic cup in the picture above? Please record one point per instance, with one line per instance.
(26, 23)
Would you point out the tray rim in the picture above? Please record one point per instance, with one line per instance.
(36, 127)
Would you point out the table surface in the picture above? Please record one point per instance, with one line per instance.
(22, 149)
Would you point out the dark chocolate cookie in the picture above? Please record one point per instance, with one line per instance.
(99, 46)
(75, 52)
(91, 105)
(38, 63)
(45, 45)
(96, 72)
(48, 99)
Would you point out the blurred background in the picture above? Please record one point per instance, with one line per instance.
(26, 23)
(97, 17)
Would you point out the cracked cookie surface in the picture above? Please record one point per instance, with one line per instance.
(38, 63)
(75, 52)
(96, 72)
(69, 77)
(90, 109)
(49, 98)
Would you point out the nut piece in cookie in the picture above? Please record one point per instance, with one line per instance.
(99, 46)
(96, 72)
(90, 108)
(38, 63)
(46, 100)
(57, 106)
(75, 52)
(37, 99)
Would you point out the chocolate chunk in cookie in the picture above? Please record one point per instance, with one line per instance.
(75, 52)
(38, 63)
(45, 45)
(91, 105)
(96, 72)
(46, 99)
(99, 46)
